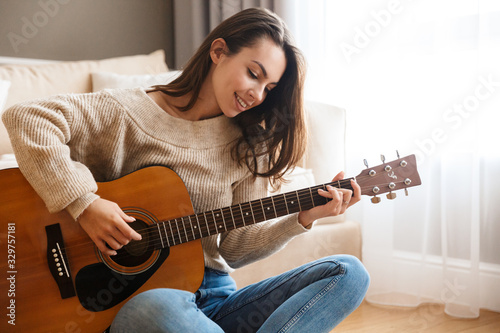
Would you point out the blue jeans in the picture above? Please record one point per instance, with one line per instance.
(314, 297)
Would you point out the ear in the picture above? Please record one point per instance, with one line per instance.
(218, 50)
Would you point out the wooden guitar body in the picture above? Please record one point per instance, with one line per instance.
(30, 296)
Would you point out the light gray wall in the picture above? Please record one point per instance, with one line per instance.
(85, 29)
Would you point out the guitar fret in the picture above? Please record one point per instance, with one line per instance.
(224, 219)
(286, 204)
(184, 227)
(172, 232)
(166, 235)
(253, 216)
(199, 225)
(274, 207)
(298, 200)
(178, 231)
(232, 216)
(206, 220)
(213, 218)
(192, 229)
(159, 233)
(199, 228)
(242, 217)
(312, 199)
(324, 188)
(206, 223)
(263, 210)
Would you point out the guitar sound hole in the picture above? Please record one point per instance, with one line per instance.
(136, 252)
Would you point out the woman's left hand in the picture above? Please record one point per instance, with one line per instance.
(341, 199)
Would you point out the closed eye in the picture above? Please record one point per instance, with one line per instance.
(252, 74)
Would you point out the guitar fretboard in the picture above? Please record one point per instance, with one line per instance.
(197, 226)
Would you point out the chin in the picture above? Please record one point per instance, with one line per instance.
(232, 113)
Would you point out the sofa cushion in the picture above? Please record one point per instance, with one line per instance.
(4, 90)
(106, 80)
(37, 81)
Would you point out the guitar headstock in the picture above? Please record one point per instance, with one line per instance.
(389, 177)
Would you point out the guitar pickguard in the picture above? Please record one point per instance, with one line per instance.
(99, 288)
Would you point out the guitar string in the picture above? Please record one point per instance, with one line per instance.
(152, 229)
(154, 226)
(299, 193)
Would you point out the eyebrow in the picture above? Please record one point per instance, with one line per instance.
(263, 70)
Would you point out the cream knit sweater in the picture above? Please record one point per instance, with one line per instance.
(64, 144)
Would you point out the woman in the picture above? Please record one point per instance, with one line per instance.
(229, 125)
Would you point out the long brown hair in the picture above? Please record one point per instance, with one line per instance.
(276, 127)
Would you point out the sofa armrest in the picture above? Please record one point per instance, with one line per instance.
(325, 154)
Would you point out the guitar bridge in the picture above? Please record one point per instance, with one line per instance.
(58, 261)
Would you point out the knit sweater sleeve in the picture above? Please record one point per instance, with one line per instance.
(243, 246)
(40, 132)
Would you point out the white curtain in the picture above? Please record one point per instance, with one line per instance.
(422, 77)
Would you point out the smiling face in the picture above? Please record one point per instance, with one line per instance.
(243, 80)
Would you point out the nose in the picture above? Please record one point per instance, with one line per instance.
(257, 94)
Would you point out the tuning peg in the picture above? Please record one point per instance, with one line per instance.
(406, 192)
(391, 195)
(366, 163)
(397, 153)
(382, 157)
(376, 200)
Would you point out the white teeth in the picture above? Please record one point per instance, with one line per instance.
(242, 103)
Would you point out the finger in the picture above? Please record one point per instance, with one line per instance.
(101, 245)
(356, 191)
(120, 236)
(126, 229)
(347, 196)
(113, 243)
(339, 176)
(330, 193)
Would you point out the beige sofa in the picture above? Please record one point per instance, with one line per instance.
(325, 155)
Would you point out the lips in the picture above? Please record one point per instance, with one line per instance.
(243, 105)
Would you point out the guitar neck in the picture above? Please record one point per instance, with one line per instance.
(196, 226)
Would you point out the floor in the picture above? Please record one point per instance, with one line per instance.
(425, 318)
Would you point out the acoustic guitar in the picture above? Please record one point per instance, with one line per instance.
(54, 279)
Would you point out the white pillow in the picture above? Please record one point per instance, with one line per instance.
(105, 80)
(4, 90)
(298, 179)
(7, 161)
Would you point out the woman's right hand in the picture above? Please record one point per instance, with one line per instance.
(106, 223)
